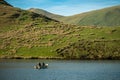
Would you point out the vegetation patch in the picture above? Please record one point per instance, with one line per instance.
(92, 49)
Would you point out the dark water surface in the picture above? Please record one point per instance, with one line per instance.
(60, 70)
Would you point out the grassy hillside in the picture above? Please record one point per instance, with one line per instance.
(11, 17)
(25, 34)
(51, 41)
(104, 17)
(46, 13)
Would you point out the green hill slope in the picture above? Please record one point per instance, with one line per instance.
(25, 34)
(104, 17)
(46, 13)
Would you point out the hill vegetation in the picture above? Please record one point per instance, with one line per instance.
(91, 49)
(25, 34)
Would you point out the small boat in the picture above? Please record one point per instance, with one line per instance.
(39, 66)
(45, 66)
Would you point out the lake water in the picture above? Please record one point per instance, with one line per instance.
(60, 70)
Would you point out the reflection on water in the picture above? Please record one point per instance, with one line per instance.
(60, 70)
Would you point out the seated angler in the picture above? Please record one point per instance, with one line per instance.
(40, 65)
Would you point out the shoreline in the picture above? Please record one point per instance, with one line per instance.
(57, 58)
(29, 57)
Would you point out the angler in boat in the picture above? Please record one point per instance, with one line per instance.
(41, 66)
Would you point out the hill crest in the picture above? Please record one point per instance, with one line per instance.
(103, 17)
(3, 2)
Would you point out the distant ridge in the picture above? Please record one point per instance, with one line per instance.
(46, 13)
(104, 17)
